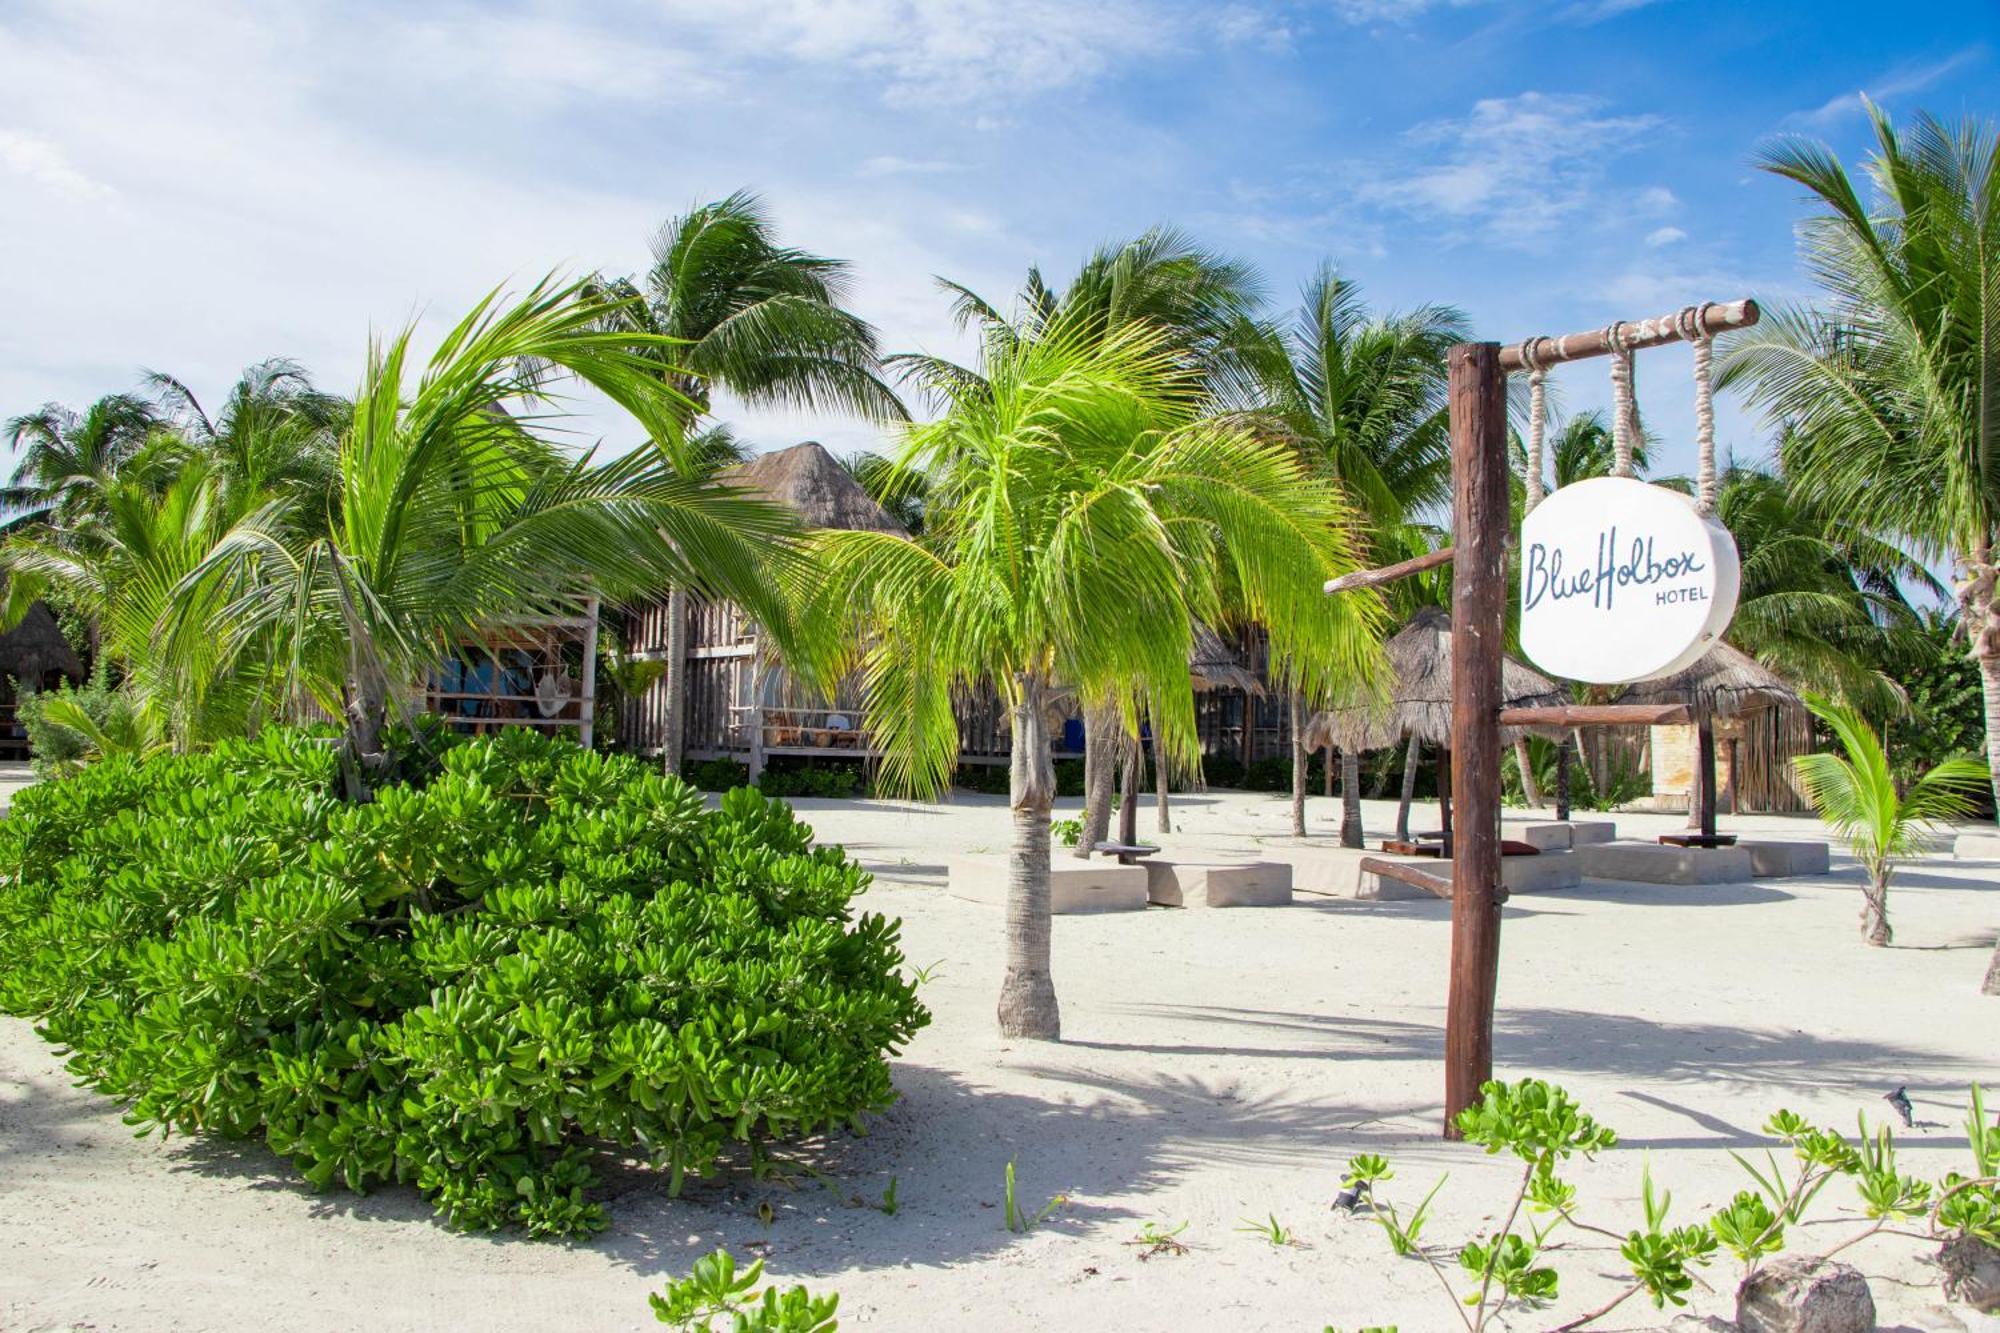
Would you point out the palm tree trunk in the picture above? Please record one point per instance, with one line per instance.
(1326, 771)
(1160, 783)
(1351, 834)
(1411, 757)
(1128, 793)
(1980, 615)
(1875, 909)
(1564, 755)
(1028, 992)
(1101, 735)
(1530, 793)
(1298, 765)
(673, 743)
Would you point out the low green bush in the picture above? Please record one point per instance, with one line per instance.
(718, 774)
(472, 985)
(795, 777)
(57, 749)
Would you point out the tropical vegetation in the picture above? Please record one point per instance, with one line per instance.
(517, 955)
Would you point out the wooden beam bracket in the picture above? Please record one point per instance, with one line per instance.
(1596, 715)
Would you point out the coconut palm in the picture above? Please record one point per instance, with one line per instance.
(1082, 520)
(764, 321)
(1362, 399)
(1889, 388)
(1856, 794)
(66, 459)
(1195, 304)
(453, 515)
(274, 433)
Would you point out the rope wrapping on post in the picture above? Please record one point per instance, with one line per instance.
(1538, 374)
(1624, 403)
(1692, 324)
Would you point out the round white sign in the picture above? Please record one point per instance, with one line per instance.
(1622, 581)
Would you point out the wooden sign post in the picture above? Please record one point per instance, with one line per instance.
(1481, 526)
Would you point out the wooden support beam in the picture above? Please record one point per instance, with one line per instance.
(1719, 316)
(1369, 578)
(1481, 523)
(1596, 715)
(1405, 873)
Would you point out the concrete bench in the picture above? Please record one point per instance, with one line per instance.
(1558, 836)
(1652, 863)
(1075, 887)
(1778, 860)
(1218, 884)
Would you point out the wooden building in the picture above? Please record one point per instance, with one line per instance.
(34, 655)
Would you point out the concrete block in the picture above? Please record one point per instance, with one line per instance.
(1591, 830)
(1548, 837)
(1546, 873)
(1777, 860)
(1075, 887)
(1218, 883)
(1977, 847)
(1652, 863)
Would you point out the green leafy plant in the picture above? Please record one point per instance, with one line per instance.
(469, 983)
(1019, 1220)
(1857, 794)
(715, 1288)
(1068, 832)
(1270, 1229)
(717, 774)
(1364, 1172)
(1154, 1239)
(889, 1205)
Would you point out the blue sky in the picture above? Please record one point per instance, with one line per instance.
(193, 187)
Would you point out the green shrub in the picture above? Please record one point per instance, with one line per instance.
(467, 984)
(58, 749)
(718, 774)
(1221, 770)
(795, 777)
(992, 779)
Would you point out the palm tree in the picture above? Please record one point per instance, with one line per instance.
(1889, 389)
(452, 515)
(274, 433)
(67, 459)
(764, 321)
(1362, 399)
(1081, 520)
(1857, 795)
(1195, 303)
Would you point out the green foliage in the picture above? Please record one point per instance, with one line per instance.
(1270, 1230)
(889, 1204)
(1067, 832)
(1970, 1205)
(832, 779)
(992, 779)
(1945, 712)
(462, 984)
(60, 749)
(1018, 1219)
(717, 774)
(1154, 1239)
(714, 1288)
(1364, 1173)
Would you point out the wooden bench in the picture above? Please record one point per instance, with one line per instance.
(1128, 853)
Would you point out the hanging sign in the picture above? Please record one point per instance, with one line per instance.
(1623, 581)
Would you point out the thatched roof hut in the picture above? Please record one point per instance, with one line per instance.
(811, 482)
(1724, 682)
(35, 649)
(1212, 666)
(1420, 698)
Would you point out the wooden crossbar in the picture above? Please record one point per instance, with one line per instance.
(1404, 873)
(1596, 715)
(1369, 578)
(1717, 316)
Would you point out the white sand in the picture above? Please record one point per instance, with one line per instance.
(1217, 1065)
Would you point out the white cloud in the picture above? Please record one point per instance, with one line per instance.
(1660, 236)
(1898, 82)
(891, 165)
(37, 159)
(1516, 167)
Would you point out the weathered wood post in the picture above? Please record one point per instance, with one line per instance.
(1480, 520)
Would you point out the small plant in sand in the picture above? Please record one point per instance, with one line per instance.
(1154, 1239)
(889, 1204)
(1270, 1230)
(1018, 1219)
(1068, 832)
(1856, 793)
(715, 1289)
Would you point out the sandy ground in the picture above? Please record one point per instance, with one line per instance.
(1217, 1065)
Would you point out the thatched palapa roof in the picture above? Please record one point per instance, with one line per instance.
(1420, 698)
(35, 647)
(812, 483)
(1213, 666)
(1723, 682)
